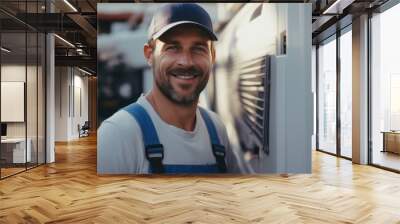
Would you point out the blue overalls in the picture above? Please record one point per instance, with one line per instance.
(155, 152)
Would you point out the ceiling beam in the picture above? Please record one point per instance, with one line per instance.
(86, 27)
(81, 61)
(337, 7)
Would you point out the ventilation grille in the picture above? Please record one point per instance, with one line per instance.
(254, 89)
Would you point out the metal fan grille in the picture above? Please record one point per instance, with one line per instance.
(254, 88)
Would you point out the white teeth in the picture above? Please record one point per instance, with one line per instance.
(185, 77)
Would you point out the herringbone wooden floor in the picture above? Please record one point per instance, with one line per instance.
(69, 191)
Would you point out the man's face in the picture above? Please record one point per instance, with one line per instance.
(182, 60)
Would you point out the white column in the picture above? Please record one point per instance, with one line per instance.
(50, 92)
(360, 90)
(50, 110)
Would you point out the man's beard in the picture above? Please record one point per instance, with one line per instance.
(168, 90)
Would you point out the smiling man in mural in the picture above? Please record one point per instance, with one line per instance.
(166, 131)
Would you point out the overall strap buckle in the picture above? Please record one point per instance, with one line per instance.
(219, 153)
(155, 155)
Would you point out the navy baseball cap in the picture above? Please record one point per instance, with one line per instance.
(174, 14)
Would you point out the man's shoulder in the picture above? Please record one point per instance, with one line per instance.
(216, 119)
(119, 145)
(121, 120)
(118, 117)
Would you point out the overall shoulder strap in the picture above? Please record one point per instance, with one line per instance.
(153, 148)
(217, 147)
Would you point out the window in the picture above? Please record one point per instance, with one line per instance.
(346, 93)
(327, 96)
(385, 89)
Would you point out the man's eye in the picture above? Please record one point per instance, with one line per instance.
(172, 47)
(200, 49)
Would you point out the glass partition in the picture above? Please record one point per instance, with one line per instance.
(22, 89)
(13, 109)
(385, 89)
(346, 93)
(327, 95)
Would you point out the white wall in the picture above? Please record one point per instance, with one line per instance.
(13, 73)
(70, 83)
(61, 103)
(80, 84)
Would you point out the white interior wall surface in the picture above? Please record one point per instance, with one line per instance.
(246, 37)
(80, 102)
(71, 102)
(61, 103)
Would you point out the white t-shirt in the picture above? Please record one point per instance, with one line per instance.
(120, 148)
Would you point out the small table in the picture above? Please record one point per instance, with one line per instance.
(16, 147)
(391, 141)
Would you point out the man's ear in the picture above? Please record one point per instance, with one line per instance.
(148, 52)
(213, 54)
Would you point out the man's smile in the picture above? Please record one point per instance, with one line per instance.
(185, 77)
(185, 74)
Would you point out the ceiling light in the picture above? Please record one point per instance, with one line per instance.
(337, 7)
(65, 41)
(70, 5)
(84, 71)
(5, 50)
